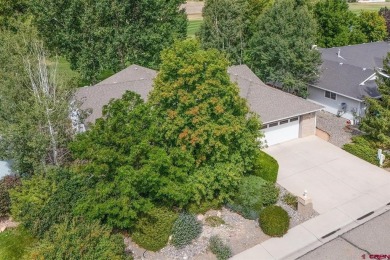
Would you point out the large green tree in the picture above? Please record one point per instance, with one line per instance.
(376, 121)
(96, 36)
(12, 12)
(34, 107)
(337, 25)
(228, 25)
(372, 25)
(191, 143)
(280, 51)
(202, 110)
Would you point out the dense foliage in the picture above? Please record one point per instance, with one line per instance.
(266, 167)
(78, 239)
(153, 230)
(6, 184)
(185, 229)
(253, 194)
(219, 248)
(274, 221)
(14, 243)
(385, 13)
(34, 108)
(280, 51)
(45, 200)
(96, 36)
(376, 121)
(204, 116)
(338, 26)
(228, 25)
(363, 148)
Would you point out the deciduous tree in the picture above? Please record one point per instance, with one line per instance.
(372, 25)
(280, 51)
(228, 25)
(34, 107)
(96, 36)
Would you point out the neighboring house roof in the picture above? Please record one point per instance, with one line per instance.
(345, 70)
(134, 78)
(270, 103)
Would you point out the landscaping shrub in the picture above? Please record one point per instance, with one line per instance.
(43, 201)
(14, 243)
(274, 221)
(203, 207)
(249, 195)
(269, 194)
(291, 200)
(77, 239)
(219, 248)
(185, 229)
(364, 149)
(214, 221)
(6, 184)
(152, 231)
(266, 167)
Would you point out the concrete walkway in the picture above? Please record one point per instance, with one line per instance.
(344, 189)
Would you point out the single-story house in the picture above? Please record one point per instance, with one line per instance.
(347, 76)
(284, 116)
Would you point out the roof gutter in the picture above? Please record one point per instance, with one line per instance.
(283, 118)
(360, 100)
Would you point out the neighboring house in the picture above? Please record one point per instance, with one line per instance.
(347, 76)
(284, 116)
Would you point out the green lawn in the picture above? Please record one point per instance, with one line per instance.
(13, 244)
(193, 27)
(358, 7)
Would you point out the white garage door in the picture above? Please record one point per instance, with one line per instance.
(281, 131)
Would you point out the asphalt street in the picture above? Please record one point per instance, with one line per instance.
(368, 241)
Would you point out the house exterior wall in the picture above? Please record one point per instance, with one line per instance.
(332, 106)
(307, 125)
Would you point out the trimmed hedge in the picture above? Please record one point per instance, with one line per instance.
(185, 229)
(152, 231)
(362, 148)
(219, 248)
(274, 221)
(266, 167)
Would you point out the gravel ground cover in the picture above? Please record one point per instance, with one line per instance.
(336, 127)
(239, 233)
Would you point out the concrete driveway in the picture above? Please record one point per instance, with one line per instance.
(345, 190)
(333, 178)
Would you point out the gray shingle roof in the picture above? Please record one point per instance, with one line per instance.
(134, 78)
(344, 73)
(270, 103)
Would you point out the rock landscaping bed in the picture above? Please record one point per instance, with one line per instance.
(336, 127)
(239, 233)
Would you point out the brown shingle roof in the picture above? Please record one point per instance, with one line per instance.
(270, 103)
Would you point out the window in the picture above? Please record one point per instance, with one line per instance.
(283, 122)
(273, 124)
(293, 119)
(330, 95)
